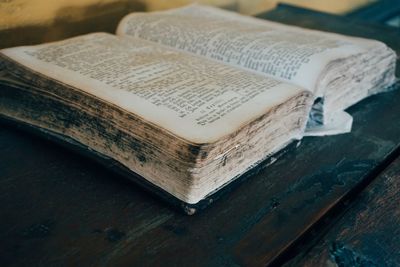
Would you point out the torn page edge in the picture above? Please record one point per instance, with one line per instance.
(340, 124)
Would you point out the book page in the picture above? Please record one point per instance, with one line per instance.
(285, 52)
(194, 98)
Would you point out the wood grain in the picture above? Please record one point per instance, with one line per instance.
(368, 234)
(58, 208)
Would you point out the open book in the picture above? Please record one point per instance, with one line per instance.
(191, 98)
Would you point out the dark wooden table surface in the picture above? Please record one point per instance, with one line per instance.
(332, 200)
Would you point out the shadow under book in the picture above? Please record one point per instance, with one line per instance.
(187, 101)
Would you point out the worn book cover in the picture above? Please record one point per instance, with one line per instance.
(187, 101)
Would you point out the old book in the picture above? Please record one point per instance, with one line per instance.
(190, 99)
(338, 70)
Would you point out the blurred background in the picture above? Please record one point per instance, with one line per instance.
(37, 21)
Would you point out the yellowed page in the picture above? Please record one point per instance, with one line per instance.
(284, 52)
(196, 99)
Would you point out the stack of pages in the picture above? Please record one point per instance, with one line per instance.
(190, 99)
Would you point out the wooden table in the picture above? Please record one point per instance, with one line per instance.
(331, 200)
